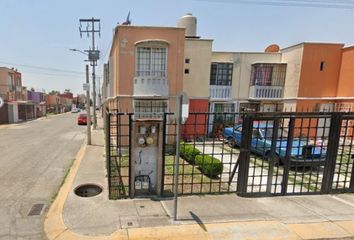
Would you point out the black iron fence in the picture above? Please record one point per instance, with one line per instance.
(251, 154)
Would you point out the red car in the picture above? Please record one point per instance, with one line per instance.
(82, 119)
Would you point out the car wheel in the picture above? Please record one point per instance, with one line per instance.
(276, 158)
(231, 142)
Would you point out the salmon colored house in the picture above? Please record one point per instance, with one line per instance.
(146, 69)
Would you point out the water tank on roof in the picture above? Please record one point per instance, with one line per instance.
(189, 22)
(272, 48)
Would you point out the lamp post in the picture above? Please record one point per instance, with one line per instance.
(93, 56)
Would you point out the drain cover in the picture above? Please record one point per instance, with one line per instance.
(88, 190)
(36, 209)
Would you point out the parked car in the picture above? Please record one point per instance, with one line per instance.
(75, 110)
(82, 119)
(304, 151)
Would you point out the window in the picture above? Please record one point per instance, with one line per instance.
(221, 74)
(224, 112)
(262, 75)
(187, 60)
(186, 71)
(147, 108)
(151, 62)
(322, 65)
(249, 107)
(268, 74)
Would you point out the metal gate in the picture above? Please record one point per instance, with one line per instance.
(291, 154)
(251, 154)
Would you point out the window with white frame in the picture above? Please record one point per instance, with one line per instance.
(150, 108)
(151, 62)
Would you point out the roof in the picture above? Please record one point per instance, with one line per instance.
(308, 43)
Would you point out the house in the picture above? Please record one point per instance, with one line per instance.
(145, 69)
(16, 107)
(148, 66)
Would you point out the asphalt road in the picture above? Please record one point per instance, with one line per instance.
(34, 157)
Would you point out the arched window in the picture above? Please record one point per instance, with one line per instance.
(151, 58)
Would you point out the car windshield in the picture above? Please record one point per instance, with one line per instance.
(268, 132)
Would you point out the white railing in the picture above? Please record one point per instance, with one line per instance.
(219, 92)
(266, 92)
(151, 86)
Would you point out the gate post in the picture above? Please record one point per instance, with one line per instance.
(332, 151)
(242, 180)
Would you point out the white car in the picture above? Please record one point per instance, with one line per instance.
(75, 110)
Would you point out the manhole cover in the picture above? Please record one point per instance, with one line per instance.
(88, 190)
(36, 209)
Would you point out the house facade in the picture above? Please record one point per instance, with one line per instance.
(145, 69)
(155, 63)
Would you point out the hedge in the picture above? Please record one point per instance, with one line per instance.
(189, 153)
(208, 165)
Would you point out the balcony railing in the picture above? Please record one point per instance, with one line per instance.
(269, 92)
(151, 86)
(219, 92)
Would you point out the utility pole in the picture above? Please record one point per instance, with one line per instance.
(93, 55)
(88, 107)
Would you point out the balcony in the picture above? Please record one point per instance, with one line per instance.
(266, 92)
(219, 92)
(151, 86)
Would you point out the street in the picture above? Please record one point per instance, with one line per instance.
(34, 158)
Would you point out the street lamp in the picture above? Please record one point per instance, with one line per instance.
(77, 50)
(93, 56)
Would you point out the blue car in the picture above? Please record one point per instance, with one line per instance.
(304, 152)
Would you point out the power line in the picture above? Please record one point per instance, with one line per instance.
(43, 68)
(290, 3)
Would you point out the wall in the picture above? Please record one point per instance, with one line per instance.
(316, 83)
(196, 83)
(123, 53)
(196, 124)
(292, 56)
(122, 59)
(346, 84)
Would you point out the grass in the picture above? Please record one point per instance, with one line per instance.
(55, 194)
(191, 179)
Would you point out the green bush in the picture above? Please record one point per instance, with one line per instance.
(208, 165)
(189, 153)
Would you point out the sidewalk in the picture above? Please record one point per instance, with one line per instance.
(199, 217)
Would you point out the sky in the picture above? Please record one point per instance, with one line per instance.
(37, 34)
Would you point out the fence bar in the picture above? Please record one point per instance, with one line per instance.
(332, 151)
(284, 185)
(272, 155)
(242, 180)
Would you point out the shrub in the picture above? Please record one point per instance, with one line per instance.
(208, 165)
(189, 153)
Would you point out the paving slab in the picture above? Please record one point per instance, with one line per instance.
(286, 210)
(326, 206)
(148, 207)
(217, 208)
